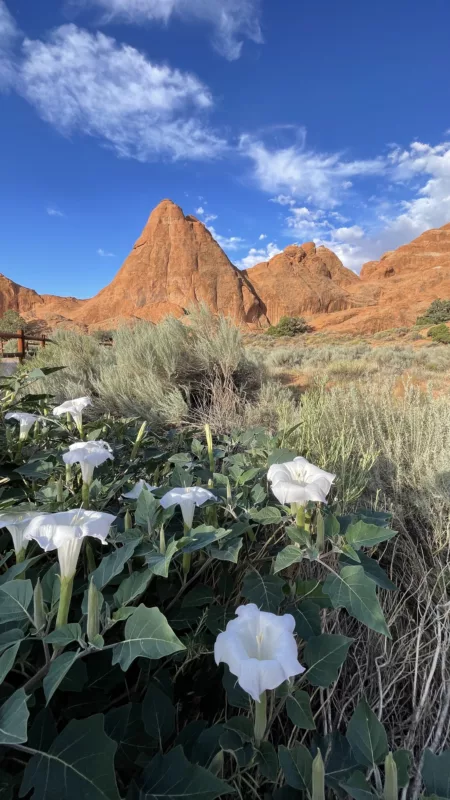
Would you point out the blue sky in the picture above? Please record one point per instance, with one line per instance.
(275, 122)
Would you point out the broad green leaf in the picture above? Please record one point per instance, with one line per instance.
(249, 475)
(235, 695)
(228, 552)
(242, 726)
(122, 614)
(403, 760)
(266, 591)
(159, 563)
(76, 678)
(281, 455)
(243, 752)
(113, 564)
(18, 569)
(324, 656)
(288, 556)
(171, 776)
(297, 766)
(267, 761)
(339, 760)
(133, 586)
(312, 589)
(15, 600)
(307, 619)
(206, 746)
(147, 508)
(7, 660)
(358, 788)
(147, 634)
(270, 515)
(353, 590)
(367, 736)
(158, 714)
(10, 637)
(298, 707)
(58, 670)
(124, 725)
(436, 773)
(65, 634)
(78, 764)
(372, 569)
(363, 534)
(198, 597)
(332, 526)
(13, 719)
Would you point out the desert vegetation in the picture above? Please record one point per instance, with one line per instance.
(174, 471)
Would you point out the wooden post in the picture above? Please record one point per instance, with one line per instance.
(43, 340)
(21, 345)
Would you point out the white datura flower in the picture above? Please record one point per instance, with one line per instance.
(187, 498)
(138, 487)
(75, 408)
(298, 481)
(65, 531)
(16, 522)
(26, 422)
(260, 649)
(88, 455)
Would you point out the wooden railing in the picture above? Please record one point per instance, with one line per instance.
(22, 343)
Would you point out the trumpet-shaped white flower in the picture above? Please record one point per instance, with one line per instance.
(298, 481)
(16, 523)
(187, 498)
(75, 408)
(26, 422)
(88, 455)
(260, 649)
(65, 531)
(138, 487)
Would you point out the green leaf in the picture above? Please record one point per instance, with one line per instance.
(228, 552)
(10, 637)
(266, 591)
(324, 656)
(235, 695)
(231, 742)
(133, 586)
(267, 761)
(357, 787)
(113, 564)
(297, 766)
(7, 660)
(436, 773)
(367, 736)
(159, 563)
(312, 589)
(58, 670)
(64, 635)
(280, 455)
(242, 726)
(218, 618)
(270, 515)
(307, 619)
(288, 556)
(171, 776)
(78, 764)
(402, 759)
(13, 719)
(158, 714)
(332, 526)
(147, 634)
(353, 590)
(18, 569)
(339, 760)
(363, 534)
(146, 509)
(124, 725)
(372, 569)
(298, 707)
(198, 597)
(15, 600)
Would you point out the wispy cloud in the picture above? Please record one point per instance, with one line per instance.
(262, 236)
(227, 242)
(258, 254)
(200, 211)
(9, 34)
(89, 83)
(105, 253)
(54, 212)
(232, 21)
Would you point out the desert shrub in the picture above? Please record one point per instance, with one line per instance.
(11, 322)
(289, 326)
(439, 311)
(440, 333)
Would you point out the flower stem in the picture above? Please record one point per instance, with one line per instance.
(20, 556)
(301, 516)
(162, 540)
(260, 718)
(186, 564)
(85, 495)
(64, 601)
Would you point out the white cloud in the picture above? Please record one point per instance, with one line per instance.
(283, 200)
(294, 171)
(226, 242)
(257, 254)
(231, 20)
(105, 253)
(206, 217)
(351, 234)
(54, 212)
(88, 83)
(200, 210)
(263, 236)
(8, 36)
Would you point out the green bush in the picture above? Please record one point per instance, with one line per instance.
(289, 326)
(439, 311)
(11, 322)
(440, 333)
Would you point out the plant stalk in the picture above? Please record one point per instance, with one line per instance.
(260, 718)
(64, 601)
(85, 495)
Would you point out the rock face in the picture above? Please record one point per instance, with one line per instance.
(32, 305)
(174, 264)
(303, 280)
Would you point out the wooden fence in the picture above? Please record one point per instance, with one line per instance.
(23, 342)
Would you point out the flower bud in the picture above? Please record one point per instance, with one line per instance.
(209, 445)
(138, 440)
(320, 531)
(93, 615)
(39, 615)
(128, 520)
(318, 778)
(390, 778)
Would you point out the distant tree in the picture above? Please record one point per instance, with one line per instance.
(289, 326)
(11, 322)
(439, 311)
(440, 333)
